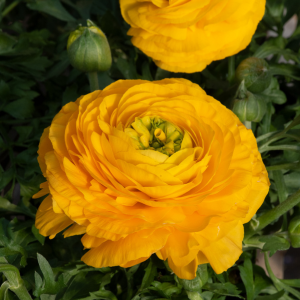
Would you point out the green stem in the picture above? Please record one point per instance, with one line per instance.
(231, 68)
(279, 284)
(3, 290)
(15, 282)
(21, 292)
(10, 7)
(93, 79)
(272, 215)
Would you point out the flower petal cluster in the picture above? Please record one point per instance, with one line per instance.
(188, 207)
(187, 35)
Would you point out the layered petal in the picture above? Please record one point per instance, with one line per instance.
(186, 36)
(130, 201)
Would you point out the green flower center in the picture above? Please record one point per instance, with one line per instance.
(154, 133)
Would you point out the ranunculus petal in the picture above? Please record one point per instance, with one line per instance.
(185, 35)
(131, 248)
(188, 207)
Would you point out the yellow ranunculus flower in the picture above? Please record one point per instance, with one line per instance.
(151, 167)
(187, 35)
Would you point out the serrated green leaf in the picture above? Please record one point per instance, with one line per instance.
(7, 206)
(226, 289)
(24, 132)
(106, 295)
(246, 272)
(37, 235)
(150, 274)
(46, 270)
(20, 109)
(286, 70)
(38, 280)
(274, 243)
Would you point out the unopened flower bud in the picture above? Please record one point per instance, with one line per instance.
(252, 108)
(255, 73)
(88, 49)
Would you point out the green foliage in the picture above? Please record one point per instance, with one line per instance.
(36, 79)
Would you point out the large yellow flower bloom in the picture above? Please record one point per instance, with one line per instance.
(151, 167)
(187, 35)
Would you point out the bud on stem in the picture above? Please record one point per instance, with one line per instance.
(89, 52)
(255, 73)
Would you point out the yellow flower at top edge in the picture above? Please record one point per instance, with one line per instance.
(187, 35)
(151, 167)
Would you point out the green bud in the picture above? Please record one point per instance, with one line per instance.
(294, 231)
(88, 49)
(155, 145)
(255, 73)
(252, 108)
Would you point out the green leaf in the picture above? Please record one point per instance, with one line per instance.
(6, 177)
(104, 80)
(37, 235)
(27, 191)
(226, 289)
(165, 289)
(50, 286)
(24, 132)
(126, 68)
(292, 282)
(268, 48)
(4, 90)
(20, 109)
(150, 274)
(7, 206)
(53, 8)
(106, 295)
(46, 270)
(247, 277)
(70, 94)
(274, 243)
(286, 70)
(261, 282)
(2, 5)
(271, 297)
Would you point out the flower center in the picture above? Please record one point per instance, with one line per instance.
(154, 133)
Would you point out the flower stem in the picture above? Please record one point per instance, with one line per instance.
(15, 282)
(10, 7)
(272, 215)
(93, 79)
(21, 292)
(231, 68)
